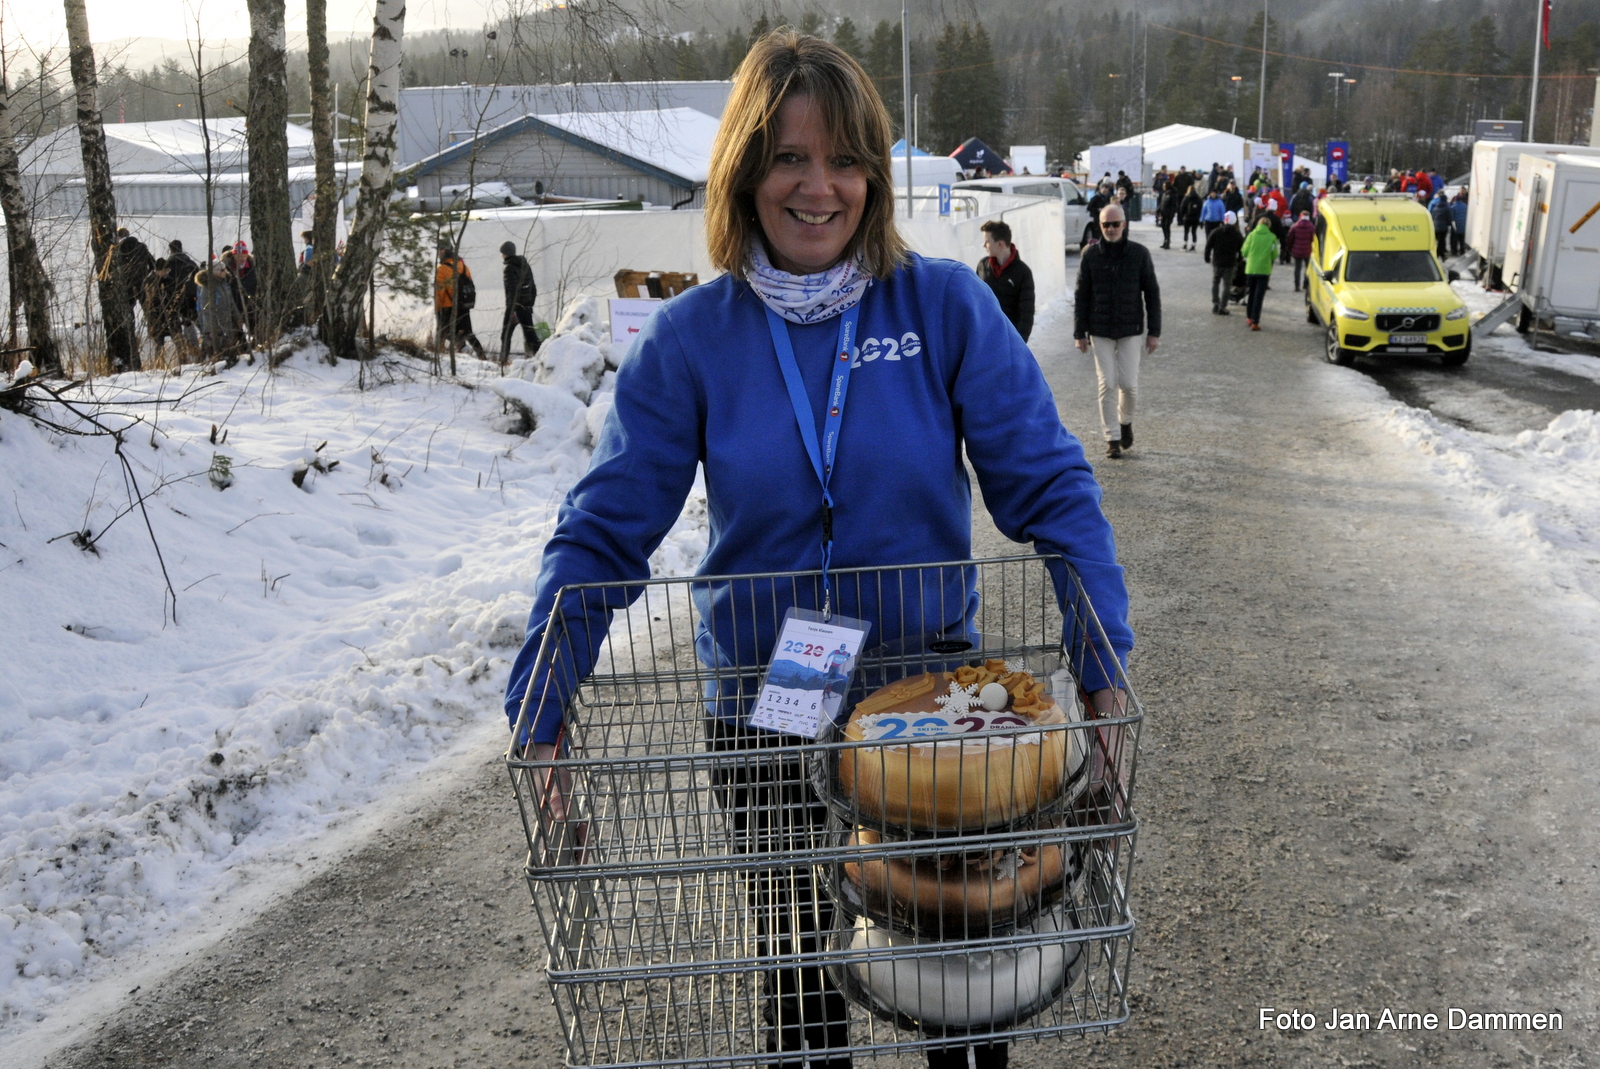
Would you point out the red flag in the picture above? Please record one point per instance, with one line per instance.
(1544, 23)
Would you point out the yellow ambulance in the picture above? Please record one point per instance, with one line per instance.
(1375, 286)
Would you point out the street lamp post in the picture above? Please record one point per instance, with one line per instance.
(1261, 110)
(1337, 76)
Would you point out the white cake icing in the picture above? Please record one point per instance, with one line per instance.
(968, 988)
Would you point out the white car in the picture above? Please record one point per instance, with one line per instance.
(1075, 205)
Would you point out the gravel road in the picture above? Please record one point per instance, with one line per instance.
(1367, 780)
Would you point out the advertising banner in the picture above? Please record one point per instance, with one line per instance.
(1339, 160)
(1286, 169)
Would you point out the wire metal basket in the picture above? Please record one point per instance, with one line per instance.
(710, 897)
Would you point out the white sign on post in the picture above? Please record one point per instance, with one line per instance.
(627, 319)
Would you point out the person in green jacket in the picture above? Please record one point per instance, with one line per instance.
(1260, 252)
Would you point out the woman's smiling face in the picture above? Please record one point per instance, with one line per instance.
(811, 201)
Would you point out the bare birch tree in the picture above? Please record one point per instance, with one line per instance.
(267, 139)
(116, 310)
(28, 279)
(354, 273)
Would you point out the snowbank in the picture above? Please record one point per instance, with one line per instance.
(344, 608)
(1540, 489)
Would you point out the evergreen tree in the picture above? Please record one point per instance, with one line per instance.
(691, 66)
(1061, 138)
(947, 125)
(1176, 100)
(883, 64)
(848, 39)
(985, 90)
(811, 22)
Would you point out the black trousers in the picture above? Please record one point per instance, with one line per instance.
(1221, 282)
(1210, 227)
(1258, 294)
(1442, 240)
(1166, 231)
(770, 806)
(1300, 273)
(462, 324)
(767, 798)
(508, 327)
(1191, 233)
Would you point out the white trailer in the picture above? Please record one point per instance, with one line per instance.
(1553, 240)
(1494, 188)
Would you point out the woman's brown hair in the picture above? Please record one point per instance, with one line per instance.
(780, 65)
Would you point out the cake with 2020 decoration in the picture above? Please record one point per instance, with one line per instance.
(960, 751)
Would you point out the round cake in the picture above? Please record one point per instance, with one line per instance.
(963, 990)
(958, 763)
(957, 894)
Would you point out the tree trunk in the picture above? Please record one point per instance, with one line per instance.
(266, 133)
(324, 219)
(28, 279)
(116, 311)
(351, 278)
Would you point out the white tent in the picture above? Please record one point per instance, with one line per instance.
(1198, 147)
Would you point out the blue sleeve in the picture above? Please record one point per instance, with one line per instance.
(612, 520)
(1036, 482)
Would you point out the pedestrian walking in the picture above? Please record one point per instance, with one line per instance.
(706, 380)
(1166, 214)
(1212, 212)
(454, 296)
(520, 295)
(1232, 199)
(1189, 218)
(244, 273)
(1302, 201)
(1260, 252)
(1097, 204)
(1443, 220)
(217, 312)
(1117, 310)
(1222, 253)
(1300, 235)
(1458, 222)
(1007, 276)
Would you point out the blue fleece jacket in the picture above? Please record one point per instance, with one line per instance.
(937, 367)
(1212, 210)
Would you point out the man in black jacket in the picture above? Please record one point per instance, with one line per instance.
(1117, 292)
(520, 295)
(1009, 278)
(1222, 252)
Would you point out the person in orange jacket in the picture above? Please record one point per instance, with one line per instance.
(454, 295)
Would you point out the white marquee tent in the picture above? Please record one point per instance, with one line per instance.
(1198, 147)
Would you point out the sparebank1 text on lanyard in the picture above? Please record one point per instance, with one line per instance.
(815, 654)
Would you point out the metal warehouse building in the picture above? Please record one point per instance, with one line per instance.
(661, 156)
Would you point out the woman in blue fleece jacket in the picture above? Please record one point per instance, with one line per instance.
(800, 213)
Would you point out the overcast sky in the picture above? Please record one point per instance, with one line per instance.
(40, 22)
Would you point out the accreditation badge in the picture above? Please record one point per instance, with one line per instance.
(812, 665)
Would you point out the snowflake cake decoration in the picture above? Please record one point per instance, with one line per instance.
(1016, 664)
(960, 701)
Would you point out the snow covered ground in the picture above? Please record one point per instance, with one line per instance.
(346, 608)
(1539, 489)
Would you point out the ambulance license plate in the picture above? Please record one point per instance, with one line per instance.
(1408, 339)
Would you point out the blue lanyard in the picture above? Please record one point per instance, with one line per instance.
(822, 454)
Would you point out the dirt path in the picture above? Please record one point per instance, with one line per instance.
(1367, 776)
